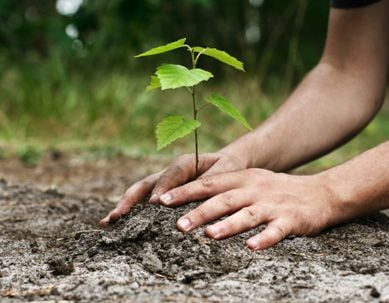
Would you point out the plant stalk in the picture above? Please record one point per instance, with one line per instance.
(194, 60)
(195, 131)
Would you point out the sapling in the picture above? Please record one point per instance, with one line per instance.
(172, 76)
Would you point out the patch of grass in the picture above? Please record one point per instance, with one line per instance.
(45, 107)
(54, 107)
(29, 155)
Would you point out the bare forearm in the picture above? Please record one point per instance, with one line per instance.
(360, 186)
(327, 109)
(334, 102)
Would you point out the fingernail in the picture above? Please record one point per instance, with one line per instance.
(166, 198)
(252, 244)
(214, 231)
(184, 224)
(153, 198)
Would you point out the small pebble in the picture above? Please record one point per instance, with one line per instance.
(375, 293)
(152, 263)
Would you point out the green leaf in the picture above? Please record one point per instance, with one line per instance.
(222, 56)
(173, 76)
(172, 128)
(154, 83)
(226, 106)
(163, 49)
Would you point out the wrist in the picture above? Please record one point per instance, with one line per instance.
(250, 153)
(240, 150)
(343, 194)
(360, 186)
(235, 153)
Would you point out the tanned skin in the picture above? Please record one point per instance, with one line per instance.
(244, 180)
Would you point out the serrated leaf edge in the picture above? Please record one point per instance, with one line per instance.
(159, 147)
(245, 123)
(239, 64)
(163, 87)
(180, 42)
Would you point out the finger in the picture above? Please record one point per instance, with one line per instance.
(243, 220)
(133, 195)
(181, 171)
(202, 188)
(274, 233)
(223, 166)
(213, 209)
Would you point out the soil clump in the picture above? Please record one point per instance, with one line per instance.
(52, 249)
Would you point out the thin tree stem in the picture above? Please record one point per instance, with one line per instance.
(195, 131)
(195, 118)
(202, 107)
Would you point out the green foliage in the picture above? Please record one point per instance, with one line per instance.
(172, 128)
(33, 31)
(227, 107)
(154, 84)
(163, 49)
(29, 155)
(222, 56)
(173, 76)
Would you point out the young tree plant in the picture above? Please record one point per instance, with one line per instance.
(173, 76)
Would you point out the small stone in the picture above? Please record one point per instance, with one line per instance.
(152, 263)
(59, 266)
(174, 269)
(189, 276)
(93, 251)
(106, 240)
(375, 242)
(200, 284)
(374, 292)
(134, 285)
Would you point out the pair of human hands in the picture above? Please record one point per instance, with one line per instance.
(287, 204)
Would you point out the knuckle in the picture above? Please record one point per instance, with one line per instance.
(175, 169)
(251, 216)
(184, 158)
(256, 171)
(227, 201)
(139, 185)
(206, 182)
(128, 192)
(253, 172)
(182, 191)
(259, 176)
(124, 201)
(169, 175)
(200, 213)
(259, 172)
(144, 183)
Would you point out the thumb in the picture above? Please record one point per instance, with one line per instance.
(179, 172)
(224, 164)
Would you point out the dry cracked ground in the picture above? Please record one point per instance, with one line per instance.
(51, 249)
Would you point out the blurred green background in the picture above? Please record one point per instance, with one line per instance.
(69, 80)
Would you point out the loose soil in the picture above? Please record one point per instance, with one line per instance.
(51, 249)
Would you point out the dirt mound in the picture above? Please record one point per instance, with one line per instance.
(150, 235)
(52, 249)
